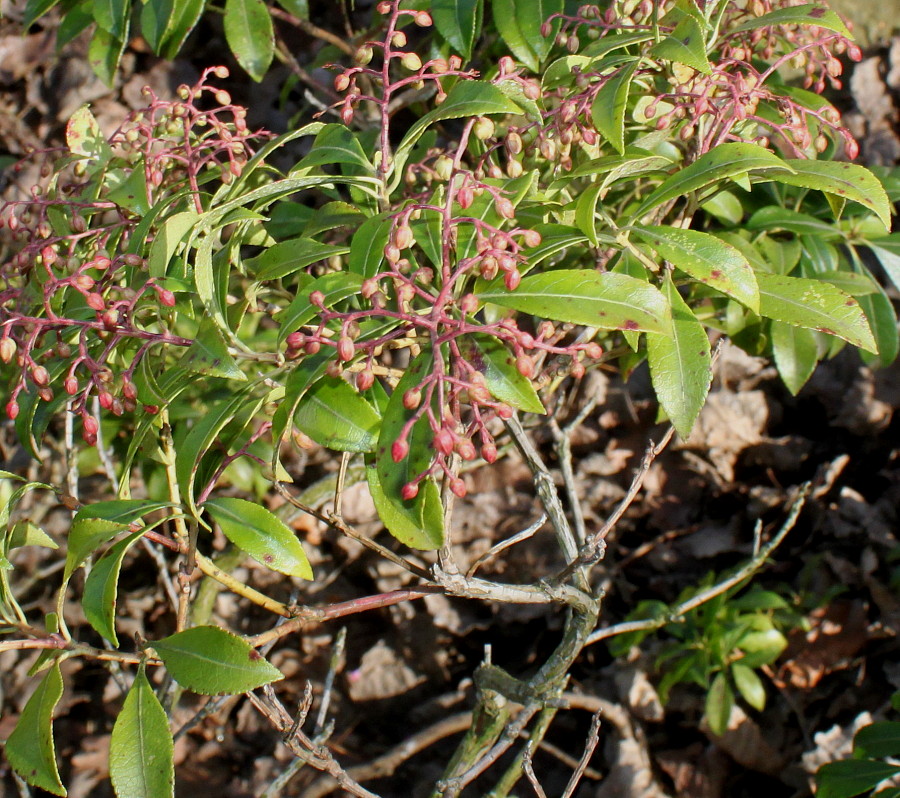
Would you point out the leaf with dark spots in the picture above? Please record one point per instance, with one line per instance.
(630, 324)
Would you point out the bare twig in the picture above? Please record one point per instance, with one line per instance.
(529, 771)
(335, 664)
(590, 745)
(525, 534)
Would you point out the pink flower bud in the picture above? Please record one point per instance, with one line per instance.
(531, 238)
(341, 82)
(71, 385)
(167, 298)
(423, 19)
(345, 348)
(525, 365)
(458, 487)
(317, 298)
(90, 425)
(7, 349)
(443, 441)
(489, 453)
(296, 340)
(593, 350)
(12, 409)
(512, 280)
(412, 398)
(403, 236)
(365, 380)
(409, 491)
(505, 208)
(106, 399)
(468, 303)
(83, 281)
(96, 301)
(40, 376)
(399, 450)
(129, 390)
(466, 450)
(504, 411)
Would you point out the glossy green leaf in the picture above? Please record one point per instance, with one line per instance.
(156, 15)
(209, 660)
(774, 217)
(26, 533)
(680, 363)
(719, 703)
(307, 373)
(519, 24)
(29, 748)
(335, 416)
(289, 257)
(459, 22)
(130, 192)
(749, 685)
(102, 586)
(607, 300)
(686, 45)
(419, 522)
(249, 33)
(299, 8)
(882, 319)
(725, 207)
(852, 777)
(848, 181)
(498, 365)
(608, 108)
(120, 511)
(261, 534)
(85, 537)
(723, 162)
(168, 238)
(141, 750)
(586, 211)
(112, 16)
(337, 144)
(185, 15)
(335, 287)
(887, 250)
(878, 740)
(706, 258)
(815, 305)
(796, 354)
(808, 14)
(104, 53)
(34, 10)
(367, 245)
(209, 354)
(853, 283)
(76, 20)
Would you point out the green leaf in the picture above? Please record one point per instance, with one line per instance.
(680, 363)
(686, 45)
(705, 258)
(185, 16)
(761, 648)
(34, 10)
(101, 588)
(852, 777)
(261, 534)
(586, 211)
(608, 108)
(467, 98)
(84, 138)
(156, 16)
(104, 53)
(76, 20)
(307, 373)
(607, 300)
(878, 740)
(335, 416)
(131, 192)
(112, 16)
(367, 245)
(169, 237)
(774, 217)
(749, 685)
(85, 536)
(289, 257)
(796, 353)
(26, 533)
(459, 22)
(29, 748)
(815, 305)
(498, 365)
(725, 161)
(249, 33)
(211, 661)
(808, 14)
(299, 8)
(419, 522)
(121, 511)
(883, 320)
(519, 24)
(141, 751)
(848, 181)
(337, 144)
(335, 287)
(209, 354)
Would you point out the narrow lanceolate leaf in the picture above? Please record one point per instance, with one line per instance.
(498, 365)
(102, 586)
(185, 14)
(883, 320)
(289, 257)
(155, 18)
(606, 300)
(459, 22)
(29, 749)
(686, 45)
(367, 246)
(725, 161)
(796, 354)
(418, 522)
(519, 24)
(171, 233)
(749, 685)
(87, 535)
(261, 534)
(848, 181)
(112, 16)
(141, 750)
(608, 108)
(680, 364)
(209, 660)
(209, 354)
(852, 777)
(249, 33)
(334, 415)
(719, 702)
(808, 14)
(816, 305)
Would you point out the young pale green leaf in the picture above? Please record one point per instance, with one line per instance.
(719, 703)
(849, 181)
(852, 777)
(261, 534)
(210, 661)
(816, 305)
(586, 211)
(808, 14)
(608, 108)
(26, 533)
(725, 161)
(129, 190)
(249, 33)
(84, 138)
(498, 365)
(686, 45)
(335, 416)
(102, 586)
(337, 144)
(519, 24)
(85, 537)
(459, 22)
(185, 15)
(680, 363)
(334, 287)
(878, 740)
(418, 522)
(29, 748)
(141, 750)
(796, 354)
(749, 685)
(289, 257)
(761, 647)
(852, 283)
(367, 245)
(706, 258)
(209, 354)
(608, 301)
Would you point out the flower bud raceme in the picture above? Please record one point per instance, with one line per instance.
(399, 450)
